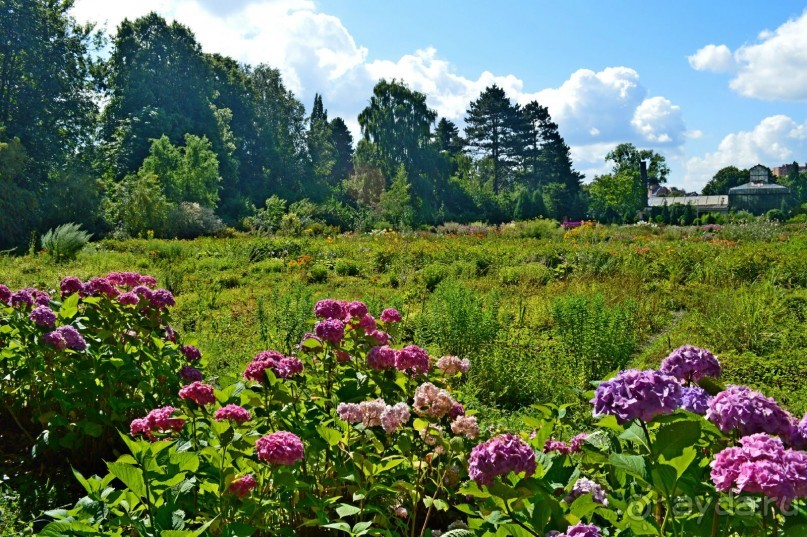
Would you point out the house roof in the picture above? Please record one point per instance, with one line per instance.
(698, 201)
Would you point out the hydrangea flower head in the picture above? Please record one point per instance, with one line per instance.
(500, 456)
(43, 316)
(695, 399)
(199, 393)
(329, 309)
(162, 298)
(5, 294)
(394, 417)
(190, 374)
(380, 358)
(233, 413)
(66, 337)
(466, 426)
(413, 360)
(390, 315)
(331, 330)
(350, 412)
(191, 353)
(586, 486)
(749, 412)
(451, 365)
(129, 298)
(242, 486)
(432, 401)
(70, 285)
(690, 364)
(635, 394)
(279, 449)
(357, 309)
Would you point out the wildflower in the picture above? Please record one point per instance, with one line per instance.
(242, 486)
(451, 365)
(233, 413)
(413, 360)
(500, 456)
(690, 364)
(331, 330)
(381, 358)
(390, 315)
(465, 426)
(762, 465)
(191, 353)
(635, 394)
(190, 374)
(586, 486)
(329, 309)
(695, 399)
(43, 316)
(394, 417)
(749, 412)
(128, 299)
(199, 393)
(280, 448)
(432, 401)
(70, 286)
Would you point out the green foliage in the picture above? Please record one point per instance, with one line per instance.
(137, 206)
(190, 220)
(317, 274)
(65, 242)
(186, 174)
(618, 197)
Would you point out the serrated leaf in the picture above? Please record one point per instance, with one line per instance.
(130, 476)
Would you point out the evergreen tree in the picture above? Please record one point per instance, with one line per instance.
(342, 142)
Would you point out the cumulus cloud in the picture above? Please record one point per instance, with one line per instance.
(775, 140)
(717, 58)
(773, 68)
(315, 52)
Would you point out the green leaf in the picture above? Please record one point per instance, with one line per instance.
(69, 307)
(683, 461)
(332, 436)
(60, 528)
(630, 464)
(341, 526)
(130, 476)
(635, 433)
(671, 439)
(237, 529)
(664, 478)
(346, 510)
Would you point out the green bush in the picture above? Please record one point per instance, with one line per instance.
(190, 220)
(431, 275)
(270, 265)
(317, 274)
(65, 242)
(344, 267)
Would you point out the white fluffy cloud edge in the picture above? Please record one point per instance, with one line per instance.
(315, 52)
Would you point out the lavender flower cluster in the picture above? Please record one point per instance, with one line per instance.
(748, 412)
(578, 530)
(762, 465)
(635, 394)
(690, 364)
(500, 456)
(66, 337)
(695, 399)
(586, 486)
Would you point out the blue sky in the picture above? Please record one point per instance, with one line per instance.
(707, 84)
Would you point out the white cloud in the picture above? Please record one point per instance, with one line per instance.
(717, 58)
(774, 141)
(773, 68)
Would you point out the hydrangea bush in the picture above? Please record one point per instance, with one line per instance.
(360, 433)
(82, 361)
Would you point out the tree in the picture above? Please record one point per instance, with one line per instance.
(626, 157)
(395, 203)
(185, 174)
(616, 197)
(493, 131)
(342, 142)
(320, 143)
(447, 137)
(724, 179)
(137, 205)
(396, 128)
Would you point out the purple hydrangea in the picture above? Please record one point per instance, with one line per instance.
(413, 360)
(43, 316)
(280, 448)
(390, 315)
(635, 394)
(70, 285)
(288, 367)
(586, 486)
(332, 330)
(191, 353)
(695, 399)
(22, 297)
(5, 294)
(281, 366)
(380, 337)
(381, 358)
(143, 292)
(762, 465)
(690, 364)
(500, 456)
(798, 434)
(162, 298)
(575, 445)
(129, 298)
(329, 309)
(456, 411)
(66, 337)
(367, 323)
(578, 530)
(749, 412)
(100, 286)
(357, 309)
(191, 374)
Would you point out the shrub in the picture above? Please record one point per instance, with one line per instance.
(345, 267)
(190, 220)
(317, 274)
(65, 242)
(431, 275)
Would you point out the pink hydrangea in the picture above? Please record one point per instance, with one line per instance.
(451, 365)
(432, 401)
(749, 412)
(331, 330)
(380, 337)
(413, 360)
(394, 417)
(350, 412)
(233, 413)
(357, 310)
(143, 292)
(242, 486)
(329, 309)
(279, 449)
(199, 393)
(158, 420)
(500, 456)
(380, 358)
(100, 286)
(162, 298)
(371, 412)
(585, 486)
(466, 426)
(575, 445)
(367, 323)
(43, 316)
(129, 298)
(390, 315)
(282, 366)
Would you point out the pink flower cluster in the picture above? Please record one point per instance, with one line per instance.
(762, 465)
(375, 413)
(127, 287)
(232, 413)
(27, 297)
(411, 359)
(466, 426)
(158, 420)
(330, 330)
(242, 486)
(500, 456)
(66, 337)
(690, 364)
(578, 530)
(575, 445)
(451, 365)
(749, 412)
(338, 314)
(432, 401)
(586, 486)
(390, 315)
(199, 393)
(283, 367)
(279, 449)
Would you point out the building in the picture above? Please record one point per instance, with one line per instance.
(759, 195)
(701, 204)
(784, 169)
